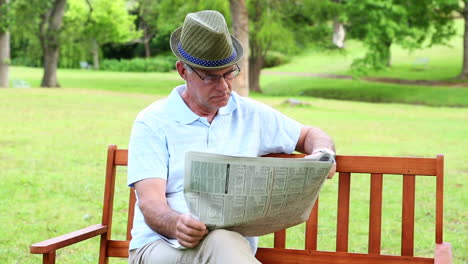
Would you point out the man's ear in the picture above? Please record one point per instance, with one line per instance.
(181, 70)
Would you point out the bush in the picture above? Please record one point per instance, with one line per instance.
(274, 58)
(25, 61)
(157, 64)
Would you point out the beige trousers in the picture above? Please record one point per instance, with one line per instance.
(219, 246)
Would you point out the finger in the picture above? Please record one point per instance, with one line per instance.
(193, 223)
(196, 234)
(182, 228)
(188, 244)
(314, 156)
(188, 238)
(332, 171)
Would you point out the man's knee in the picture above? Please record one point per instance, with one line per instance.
(222, 237)
(224, 246)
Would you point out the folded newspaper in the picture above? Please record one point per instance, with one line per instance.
(252, 195)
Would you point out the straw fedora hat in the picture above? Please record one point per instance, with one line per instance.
(204, 41)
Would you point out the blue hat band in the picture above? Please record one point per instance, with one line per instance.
(206, 63)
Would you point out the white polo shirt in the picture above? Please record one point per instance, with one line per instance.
(166, 129)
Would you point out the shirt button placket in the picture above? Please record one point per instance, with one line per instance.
(211, 139)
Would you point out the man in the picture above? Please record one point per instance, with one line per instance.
(205, 114)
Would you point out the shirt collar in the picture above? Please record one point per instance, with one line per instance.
(183, 114)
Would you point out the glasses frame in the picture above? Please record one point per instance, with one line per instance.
(215, 77)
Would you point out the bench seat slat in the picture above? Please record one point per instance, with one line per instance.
(290, 256)
(117, 248)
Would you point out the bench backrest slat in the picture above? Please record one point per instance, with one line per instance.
(312, 228)
(375, 214)
(439, 199)
(342, 225)
(131, 209)
(279, 240)
(407, 221)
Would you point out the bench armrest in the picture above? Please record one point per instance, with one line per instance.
(443, 253)
(53, 244)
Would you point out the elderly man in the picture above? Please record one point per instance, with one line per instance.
(205, 114)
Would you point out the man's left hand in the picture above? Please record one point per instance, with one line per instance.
(317, 155)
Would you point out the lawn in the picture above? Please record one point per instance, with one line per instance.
(54, 145)
(293, 86)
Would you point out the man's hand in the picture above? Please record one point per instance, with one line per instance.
(319, 155)
(189, 231)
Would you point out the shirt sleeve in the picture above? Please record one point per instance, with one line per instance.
(279, 133)
(148, 155)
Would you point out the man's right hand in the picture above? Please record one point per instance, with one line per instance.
(189, 231)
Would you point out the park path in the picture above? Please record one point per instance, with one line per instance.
(370, 79)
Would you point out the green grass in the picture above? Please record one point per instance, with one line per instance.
(357, 90)
(148, 83)
(53, 159)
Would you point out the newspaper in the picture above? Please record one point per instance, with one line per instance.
(252, 195)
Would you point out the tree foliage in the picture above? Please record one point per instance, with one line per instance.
(287, 27)
(90, 24)
(410, 24)
(103, 20)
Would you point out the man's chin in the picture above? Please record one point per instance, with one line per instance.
(224, 99)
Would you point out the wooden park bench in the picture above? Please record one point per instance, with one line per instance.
(376, 167)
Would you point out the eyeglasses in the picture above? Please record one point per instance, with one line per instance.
(214, 79)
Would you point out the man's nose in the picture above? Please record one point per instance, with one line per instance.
(223, 84)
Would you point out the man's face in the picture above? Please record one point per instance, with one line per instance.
(208, 89)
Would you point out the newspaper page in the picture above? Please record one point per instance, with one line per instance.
(252, 195)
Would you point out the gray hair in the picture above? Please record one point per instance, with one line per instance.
(186, 67)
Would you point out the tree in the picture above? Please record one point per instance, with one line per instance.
(49, 31)
(98, 22)
(285, 26)
(147, 11)
(266, 30)
(4, 45)
(412, 24)
(464, 12)
(240, 24)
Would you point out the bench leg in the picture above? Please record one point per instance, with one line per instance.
(48, 258)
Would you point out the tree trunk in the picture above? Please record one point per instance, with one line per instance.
(51, 22)
(339, 34)
(240, 23)
(4, 54)
(464, 72)
(256, 64)
(95, 54)
(51, 56)
(146, 39)
(388, 54)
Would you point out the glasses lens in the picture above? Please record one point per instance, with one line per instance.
(231, 75)
(211, 79)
